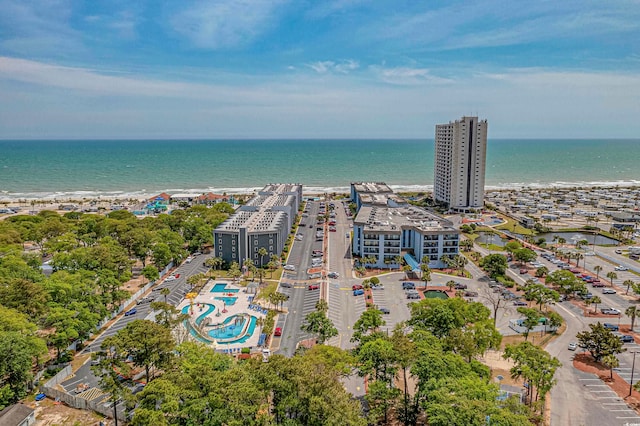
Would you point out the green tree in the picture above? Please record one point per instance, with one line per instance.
(319, 324)
(628, 283)
(262, 252)
(149, 345)
(150, 272)
(110, 369)
(512, 246)
(531, 319)
(600, 341)
(631, 312)
(612, 276)
(595, 300)
(611, 361)
(535, 366)
(494, 264)
(524, 255)
(370, 321)
(597, 270)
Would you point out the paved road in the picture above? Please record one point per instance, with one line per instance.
(301, 300)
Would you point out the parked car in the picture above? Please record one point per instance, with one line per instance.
(519, 303)
(286, 285)
(608, 290)
(289, 268)
(356, 287)
(189, 259)
(385, 311)
(599, 284)
(627, 338)
(621, 268)
(408, 286)
(313, 287)
(573, 346)
(460, 286)
(470, 294)
(523, 271)
(610, 311)
(358, 292)
(612, 327)
(618, 251)
(333, 275)
(170, 278)
(415, 295)
(131, 312)
(278, 331)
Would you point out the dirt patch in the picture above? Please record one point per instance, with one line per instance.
(48, 413)
(584, 362)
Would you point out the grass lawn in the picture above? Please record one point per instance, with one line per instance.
(264, 293)
(509, 226)
(492, 247)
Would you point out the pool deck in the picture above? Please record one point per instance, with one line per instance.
(240, 307)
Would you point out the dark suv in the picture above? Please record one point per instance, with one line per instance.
(408, 286)
(611, 327)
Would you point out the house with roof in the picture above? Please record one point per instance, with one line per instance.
(18, 415)
(210, 198)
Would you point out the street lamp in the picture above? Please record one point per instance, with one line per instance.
(633, 365)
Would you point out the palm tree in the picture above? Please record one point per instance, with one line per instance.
(398, 260)
(612, 276)
(631, 312)
(262, 252)
(562, 241)
(628, 283)
(579, 256)
(596, 301)
(612, 362)
(598, 269)
(165, 292)
(451, 284)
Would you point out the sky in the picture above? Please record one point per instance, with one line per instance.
(317, 69)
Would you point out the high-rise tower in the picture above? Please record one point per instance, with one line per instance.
(459, 163)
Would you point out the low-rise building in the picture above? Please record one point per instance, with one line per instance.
(17, 415)
(263, 222)
(387, 227)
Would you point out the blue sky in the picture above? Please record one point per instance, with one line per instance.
(335, 68)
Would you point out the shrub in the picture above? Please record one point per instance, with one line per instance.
(245, 351)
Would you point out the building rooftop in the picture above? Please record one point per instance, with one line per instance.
(394, 219)
(371, 188)
(15, 414)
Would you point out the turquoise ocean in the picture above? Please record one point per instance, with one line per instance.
(136, 168)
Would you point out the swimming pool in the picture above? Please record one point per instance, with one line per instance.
(233, 329)
(221, 288)
(227, 300)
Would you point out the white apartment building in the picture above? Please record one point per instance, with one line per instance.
(460, 161)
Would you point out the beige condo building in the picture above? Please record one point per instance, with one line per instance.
(460, 161)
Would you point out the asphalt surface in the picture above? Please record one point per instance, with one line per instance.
(302, 301)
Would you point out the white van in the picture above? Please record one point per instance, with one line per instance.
(266, 353)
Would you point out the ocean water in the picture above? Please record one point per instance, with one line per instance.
(121, 168)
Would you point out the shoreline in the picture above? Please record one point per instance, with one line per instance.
(142, 195)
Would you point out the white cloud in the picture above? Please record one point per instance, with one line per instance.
(407, 76)
(344, 67)
(57, 101)
(226, 23)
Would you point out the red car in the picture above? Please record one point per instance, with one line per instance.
(177, 275)
(278, 331)
(314, 287)
(598, 284)
(356, 287)
(523, 271)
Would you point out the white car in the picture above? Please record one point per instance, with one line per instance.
(289, 268)
(573, 346)
(608, 291)
(621, 268)
(610, 311)
(170, 278)
(189, 259)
